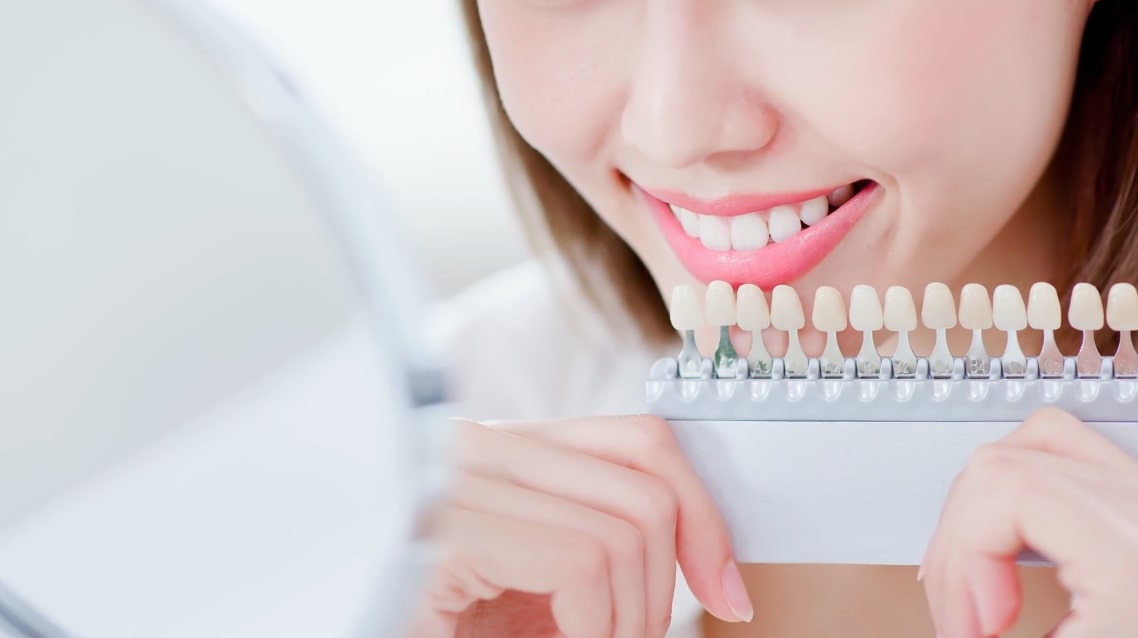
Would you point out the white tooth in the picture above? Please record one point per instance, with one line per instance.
(938, 310)
(749, 232)
(1043, 309)
(1122, 308)
(685, 309)
(900, 312)
(975, 308)
(720, 307)
(688, 219)
(814, 210)
(784, 223)
(754, 315)
(841, 195)
(865, 308)
(1008, 312)
(1085, 311)
(786, 309)
(714, 233)
(829, 310)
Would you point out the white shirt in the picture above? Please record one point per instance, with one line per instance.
(519, 348)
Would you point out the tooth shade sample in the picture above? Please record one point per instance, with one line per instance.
(786, 309)
(829, 310)
(1008, 312)
(1085, 312)
(938, 310)
(1122, 308)
(865, 309)
(975, 308)
(720, 307)
(754, 314)
(900, 312)
(685, 312)
(1043, 309)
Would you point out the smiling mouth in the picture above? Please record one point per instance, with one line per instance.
(754, 230)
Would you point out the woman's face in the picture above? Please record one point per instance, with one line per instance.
(705, 131)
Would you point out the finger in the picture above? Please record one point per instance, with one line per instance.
(644, 501)
(646, 443)
(953, 614)
(1058, 432)
(1010, 499)
(622, 542)
(489, 554)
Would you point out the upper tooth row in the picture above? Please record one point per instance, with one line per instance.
(977, 311)
(754, 230)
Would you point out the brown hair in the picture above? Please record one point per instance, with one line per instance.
(1096, 165)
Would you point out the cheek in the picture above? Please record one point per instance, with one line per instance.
(953, 90)
(553, 80)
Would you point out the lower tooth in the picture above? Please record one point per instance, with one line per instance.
(784, 223)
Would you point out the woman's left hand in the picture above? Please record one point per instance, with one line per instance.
(1055, 486)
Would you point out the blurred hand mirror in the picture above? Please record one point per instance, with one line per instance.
(212, 400)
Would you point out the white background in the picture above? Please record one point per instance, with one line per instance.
(396, 80)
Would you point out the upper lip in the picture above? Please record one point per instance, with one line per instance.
(736, 204)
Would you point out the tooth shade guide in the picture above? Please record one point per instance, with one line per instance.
(788, 316)
(867, 316)
(754, 317)
(829, 316)
(1085, 313)
(1009, 314)
(1122, 317)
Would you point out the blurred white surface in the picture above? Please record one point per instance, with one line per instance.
(257, 520)
(396, 80)
(184, 448)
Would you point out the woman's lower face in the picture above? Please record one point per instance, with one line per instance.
(880, 142)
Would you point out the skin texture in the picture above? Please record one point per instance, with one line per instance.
(954, 107)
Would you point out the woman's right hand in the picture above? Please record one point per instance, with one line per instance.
(573, 528)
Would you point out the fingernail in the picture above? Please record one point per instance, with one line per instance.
(736, 593)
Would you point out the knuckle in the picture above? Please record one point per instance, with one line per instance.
(625, 543)
(585, 558)
(988, 459)
(659, 628)
(995, 467)
(658, 507)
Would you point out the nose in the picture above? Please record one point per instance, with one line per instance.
(689, 99)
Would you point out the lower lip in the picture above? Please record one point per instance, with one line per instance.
(771, 265)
